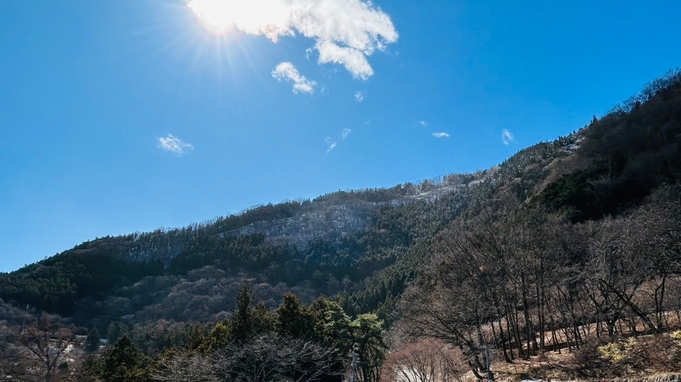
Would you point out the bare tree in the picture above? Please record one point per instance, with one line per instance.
(273, 358)
(11, 361)
(184, 367)
(45, 343)
(424, 361)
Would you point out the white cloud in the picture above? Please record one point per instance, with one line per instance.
(353, 60)
(423, 123)
(440, 135)
(286, 71)
(359, 97)
(345, 32)
(330, 144)
(506, 137)
(174, 145)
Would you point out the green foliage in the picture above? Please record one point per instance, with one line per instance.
(124, 362)
(246, 252)
(337, 330)
(576, 196)
(632, 151)
(292, 319)
(54, 285)
(114, 332)
(242, 320)
(367, 333)
(196, 337)
(613, 352)
(269, 212)
(219, 337)
(90, 371)
(676, 336)
(263, 320)
(329, 263)
(93, 340)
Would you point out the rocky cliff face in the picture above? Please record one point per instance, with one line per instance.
(330, 222)
(333, 219)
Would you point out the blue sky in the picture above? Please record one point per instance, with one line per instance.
(120, 116)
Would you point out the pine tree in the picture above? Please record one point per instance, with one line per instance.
(292, 319)
(196, 337)
(220, 337)
(114, 332)
(124, 362)
(263, 321)
(242, 321)
(93, 340)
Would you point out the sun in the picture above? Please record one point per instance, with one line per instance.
(218, 15)
(250, 16)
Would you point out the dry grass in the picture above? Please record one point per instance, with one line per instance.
(649, 356)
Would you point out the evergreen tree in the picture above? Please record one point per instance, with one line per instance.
(124, 362)
(90, 370)
(93, 340)
(114, 332)
(196, 337)
(263, 321)
(293, 319)
(242, 321)
(219, 338)
(367, 334)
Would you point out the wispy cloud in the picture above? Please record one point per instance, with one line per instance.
(440, 135)
(174, 145)
(359, 97)
(330, 144)
(423, 123)
(506, 137)
(286, 71)
(345, 32)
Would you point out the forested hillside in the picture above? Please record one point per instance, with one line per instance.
(580, 256)
(572, 245)
(325, 246)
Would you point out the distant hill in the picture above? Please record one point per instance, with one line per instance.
(326, 245)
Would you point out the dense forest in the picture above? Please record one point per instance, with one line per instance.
(569, 247)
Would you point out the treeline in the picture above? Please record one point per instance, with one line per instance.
(297, 342)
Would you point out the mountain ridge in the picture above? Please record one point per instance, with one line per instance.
(362, 246)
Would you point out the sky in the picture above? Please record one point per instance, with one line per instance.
(122, 116)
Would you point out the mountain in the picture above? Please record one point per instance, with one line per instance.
(362, 247)
(326, 245)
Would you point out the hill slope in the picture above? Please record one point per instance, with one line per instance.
(364, 247)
